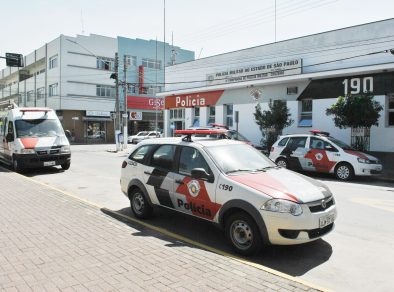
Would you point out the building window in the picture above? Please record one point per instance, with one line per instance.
(131, 89)
(196, 121)
(53, 89)
(131, 61)
(105, 63)
(40, 93)
(211, 115)
(229, 115)
(151, 64)
(53, 62)
(105, 90)
(292, 90)
(177, 113)
(390, 110)
(305, 113)
(153, 90)
(30, 95)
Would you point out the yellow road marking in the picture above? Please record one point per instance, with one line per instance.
(185, 239)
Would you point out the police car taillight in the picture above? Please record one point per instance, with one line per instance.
(124, 164)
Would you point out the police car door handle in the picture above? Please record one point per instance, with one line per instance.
(147, 172)
(178, 181)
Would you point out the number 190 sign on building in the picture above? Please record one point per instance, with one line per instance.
(377, 84)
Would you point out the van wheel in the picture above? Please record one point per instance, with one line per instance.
(243, 234)
(139, 204)
(344, 171)
(282, 162)
(66, 165)
(16, 166)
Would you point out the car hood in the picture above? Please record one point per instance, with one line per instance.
(284, 184)
(360, 154)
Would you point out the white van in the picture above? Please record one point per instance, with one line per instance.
(32, 138)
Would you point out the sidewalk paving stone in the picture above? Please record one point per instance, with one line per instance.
(50, 241)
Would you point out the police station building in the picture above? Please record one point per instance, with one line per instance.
(309, 73)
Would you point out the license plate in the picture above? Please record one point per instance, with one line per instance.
(49, 163)
(326, 220)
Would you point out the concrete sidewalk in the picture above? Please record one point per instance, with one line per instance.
(50, 241)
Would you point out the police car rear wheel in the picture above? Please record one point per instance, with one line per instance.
(139, 204)
(344, 172)
(243, 234)
(281, 162)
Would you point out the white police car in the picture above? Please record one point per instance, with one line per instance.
(321, 153)
(231, 184)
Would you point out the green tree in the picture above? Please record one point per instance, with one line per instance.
(356, 111)
(272, 122)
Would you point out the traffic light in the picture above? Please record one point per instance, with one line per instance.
(14, 60)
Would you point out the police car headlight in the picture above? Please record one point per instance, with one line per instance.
(27, 151)
(362, 160)
(282, 206)
(65, 149)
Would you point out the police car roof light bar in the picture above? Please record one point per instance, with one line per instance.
(319, 133)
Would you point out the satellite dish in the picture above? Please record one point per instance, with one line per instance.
(256, 93)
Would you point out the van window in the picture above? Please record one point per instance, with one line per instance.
(38, 128)
(10, 128)
(3, 122)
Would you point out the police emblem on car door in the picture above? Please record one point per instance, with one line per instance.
(194, 196)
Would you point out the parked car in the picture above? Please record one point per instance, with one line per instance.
(148, 135)
(231, 184)
(320, 152)
(139, 134)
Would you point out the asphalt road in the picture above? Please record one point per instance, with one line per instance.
(358, 255)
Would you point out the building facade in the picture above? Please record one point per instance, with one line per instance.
(73, 76)
(309, 73)
(141, 72)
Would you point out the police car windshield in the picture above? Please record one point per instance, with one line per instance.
(341, 144)
(38, 128)
(239, 158)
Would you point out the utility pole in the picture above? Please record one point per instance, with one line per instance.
(117, 116)
(125, 116)
(156, 89)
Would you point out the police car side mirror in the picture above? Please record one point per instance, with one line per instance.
(9, 137)
(200, 173)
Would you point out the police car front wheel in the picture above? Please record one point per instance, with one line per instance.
(242, 233)
(139, 204)
(344, 171)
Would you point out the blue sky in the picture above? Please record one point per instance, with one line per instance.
(208, 27)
